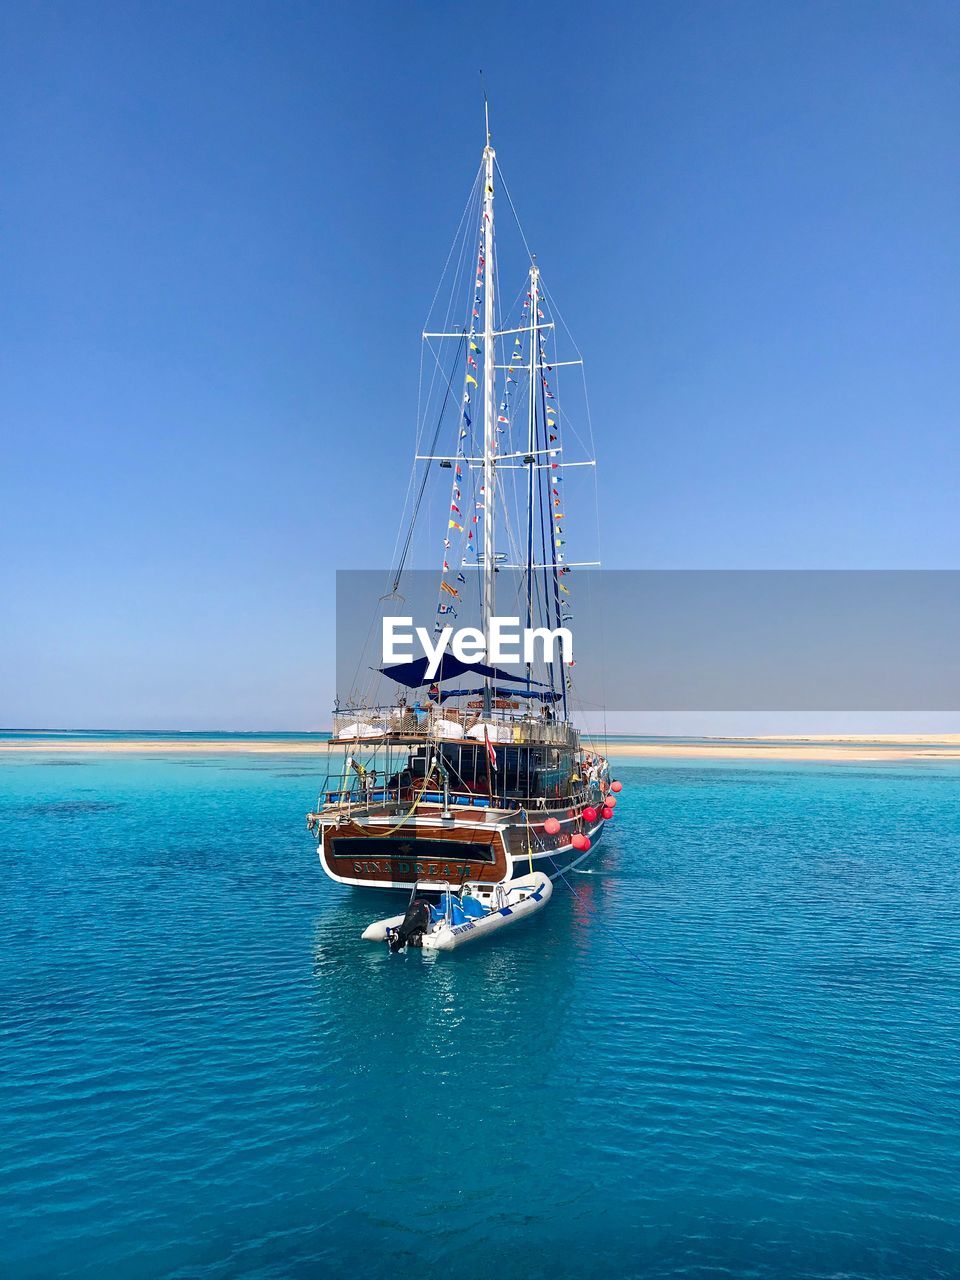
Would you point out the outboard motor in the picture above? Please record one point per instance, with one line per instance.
(410, 932)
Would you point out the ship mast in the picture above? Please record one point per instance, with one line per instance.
(489, 403)
(532, 475)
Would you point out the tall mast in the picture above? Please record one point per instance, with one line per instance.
(489, 399)
(532, 439)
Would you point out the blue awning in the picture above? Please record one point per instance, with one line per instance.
(541, 695)
(414, 674)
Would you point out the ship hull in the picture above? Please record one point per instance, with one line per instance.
(418, 851)
(553, 862)
(432, 851)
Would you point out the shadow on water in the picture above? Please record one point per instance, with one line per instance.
(65, 764)
(62, 808)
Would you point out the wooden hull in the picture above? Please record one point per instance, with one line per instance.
(430, 851)
(420, 851)
(558, 856)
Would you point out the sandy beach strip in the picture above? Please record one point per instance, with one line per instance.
(813, 748)
(807, 750)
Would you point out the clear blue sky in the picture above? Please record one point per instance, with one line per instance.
(222, 227)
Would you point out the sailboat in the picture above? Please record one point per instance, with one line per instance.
(476, 777)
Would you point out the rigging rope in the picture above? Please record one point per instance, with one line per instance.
(410, 812)
(426, 470)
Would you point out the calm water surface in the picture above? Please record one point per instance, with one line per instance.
(733, 1053)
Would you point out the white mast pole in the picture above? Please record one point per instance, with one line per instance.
(489, 396)
(532, 434)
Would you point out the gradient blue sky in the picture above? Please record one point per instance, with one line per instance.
(223, 224)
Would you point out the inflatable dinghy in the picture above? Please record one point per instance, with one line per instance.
(453, 918)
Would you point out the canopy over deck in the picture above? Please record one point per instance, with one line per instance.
(414, 674)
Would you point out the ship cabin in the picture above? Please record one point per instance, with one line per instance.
(510, 759)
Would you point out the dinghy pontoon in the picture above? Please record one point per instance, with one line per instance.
(455, 917)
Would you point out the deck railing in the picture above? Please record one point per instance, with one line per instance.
(352, 795)
(445, 724)
(351, 802)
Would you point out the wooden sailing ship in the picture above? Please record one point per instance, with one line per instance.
(436, 782)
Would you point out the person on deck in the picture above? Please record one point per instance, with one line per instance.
(406, 715)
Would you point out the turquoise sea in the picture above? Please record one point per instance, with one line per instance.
(731, 1051)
